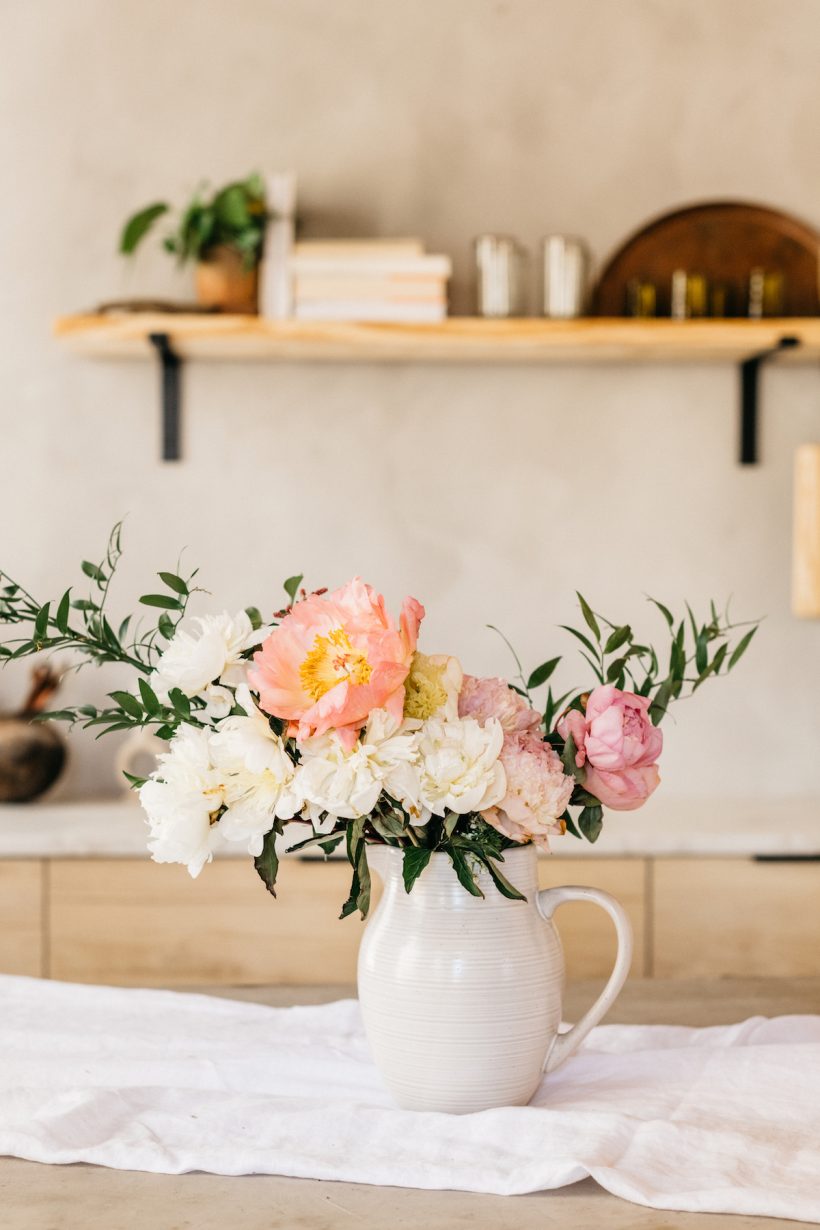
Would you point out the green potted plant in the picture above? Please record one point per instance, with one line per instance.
(222, 232)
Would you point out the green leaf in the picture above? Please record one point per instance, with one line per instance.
(667, 614)
(580, 637)
(291, 586)
(462, 870)
(255, 616)
(661, 700)
(93, 570)
(590, 822)
(363, 898)
(570, 823)
(180, 701)
(41, 622)
(589, 616)
(56, 715)
(166, 627)
(135, 782)
(161, 600)
(61, 618)
(267, 863)
(701, 652)
(501, 882)
(320, 839)
(165, 732)
(542, 673)
(617, 638)
(84, 604)
(149, 698)
(138, 226)
(173, 582)
(127, 702)
(742, 646)
(568, 760)
(615, 671)
(416, 859)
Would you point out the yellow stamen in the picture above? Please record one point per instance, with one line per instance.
(332, 659)
(425, 692)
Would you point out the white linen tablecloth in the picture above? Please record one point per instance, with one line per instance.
(725, 1119)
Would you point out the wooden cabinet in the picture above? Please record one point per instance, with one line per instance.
(132, 922)
(21, 915)
(136, 923)
(735, 918)
(587, 933)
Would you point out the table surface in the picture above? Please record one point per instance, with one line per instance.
(82, 1197)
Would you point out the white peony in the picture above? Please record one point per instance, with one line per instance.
(258, 776)
(459, 766)
(209, 654)
(432, 688)
(347, 784)
(182, 800)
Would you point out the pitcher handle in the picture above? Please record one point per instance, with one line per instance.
(547, 901)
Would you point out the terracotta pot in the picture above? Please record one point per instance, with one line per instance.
(223, 282)
(461, 995)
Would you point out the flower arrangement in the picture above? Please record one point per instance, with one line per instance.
(328, 715)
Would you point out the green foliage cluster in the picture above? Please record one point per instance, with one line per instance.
(233, 217)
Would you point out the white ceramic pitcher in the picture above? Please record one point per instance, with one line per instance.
(461, 995)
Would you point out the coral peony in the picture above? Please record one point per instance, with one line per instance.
(617, 742)
(333, 659)
(538, 791)
(486, 698)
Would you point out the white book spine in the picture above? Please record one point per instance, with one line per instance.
(407, 313)
(371, 266)
(275, 293)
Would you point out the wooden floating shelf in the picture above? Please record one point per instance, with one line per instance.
(455, 340)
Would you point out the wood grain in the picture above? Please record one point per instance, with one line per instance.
(134, 923)
(586, 932)
(21, 909)
(457, 339)
(724, 241)
(736, 918)
(806, 545)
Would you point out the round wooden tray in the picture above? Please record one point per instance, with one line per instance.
(724, 241)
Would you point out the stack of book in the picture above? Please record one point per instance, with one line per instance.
(372, 279)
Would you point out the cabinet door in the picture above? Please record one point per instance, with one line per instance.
(587, 933)
(139, 923)
(21, 908)
(736, 918)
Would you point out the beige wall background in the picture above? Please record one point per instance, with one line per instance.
(491, 494)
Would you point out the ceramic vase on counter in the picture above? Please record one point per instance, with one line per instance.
(461, 996)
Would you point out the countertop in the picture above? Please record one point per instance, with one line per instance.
(663, 828)
(83, 1197)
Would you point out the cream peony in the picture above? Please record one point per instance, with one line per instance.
(206, 660)
(347, 784)
(257, 775)
(182, 801)
(432, 687)
(460, 769)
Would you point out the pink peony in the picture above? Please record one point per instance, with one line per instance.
(333, 659)
(486, 698)
(538, 791)
(616, 740)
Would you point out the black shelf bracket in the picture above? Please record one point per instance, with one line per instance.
(170, 381)
(749, 395)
